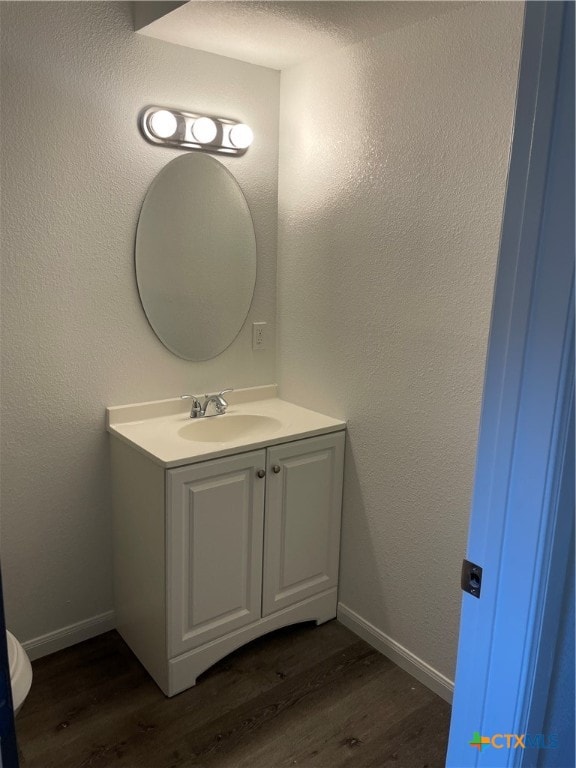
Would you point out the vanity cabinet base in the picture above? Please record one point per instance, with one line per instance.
(212, 555)
(184, 669)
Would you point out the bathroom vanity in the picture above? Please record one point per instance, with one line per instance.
(225, 527)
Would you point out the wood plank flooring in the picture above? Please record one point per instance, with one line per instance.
(306, 696)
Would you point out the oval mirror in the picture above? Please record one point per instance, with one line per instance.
(195, 257)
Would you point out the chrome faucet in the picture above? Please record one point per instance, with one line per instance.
(199, 410)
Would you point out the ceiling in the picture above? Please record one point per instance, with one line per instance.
(278, 34)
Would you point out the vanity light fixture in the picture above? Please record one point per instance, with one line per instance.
(241, 136)
(204, 130)
(163, 124)
(186, 130)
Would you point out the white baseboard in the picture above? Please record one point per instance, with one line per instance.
(427, 675)
(401, 656)
(67, 636)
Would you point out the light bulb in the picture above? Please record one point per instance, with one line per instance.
(163, 124)
(241, 136)
(204, 130)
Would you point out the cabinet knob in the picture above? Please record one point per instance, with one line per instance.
(276, 468)
(261, 472)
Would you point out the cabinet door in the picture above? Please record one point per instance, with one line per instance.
(302, 522)
(214, 549)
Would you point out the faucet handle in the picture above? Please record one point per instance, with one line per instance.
(196, 405)
(218, 394)
(223, 404)
(220, 404)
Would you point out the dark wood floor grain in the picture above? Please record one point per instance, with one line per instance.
(313, 697)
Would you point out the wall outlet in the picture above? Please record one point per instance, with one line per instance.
(259, 335)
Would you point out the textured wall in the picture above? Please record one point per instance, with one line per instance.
(75, 339)
(393, 162)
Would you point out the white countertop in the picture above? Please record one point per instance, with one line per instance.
(153, 428)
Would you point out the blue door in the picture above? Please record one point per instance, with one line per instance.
(8, 749)
(522, 520)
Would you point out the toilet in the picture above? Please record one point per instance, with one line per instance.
(20, 671)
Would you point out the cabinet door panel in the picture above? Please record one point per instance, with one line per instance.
(215, 529)
(302, 522)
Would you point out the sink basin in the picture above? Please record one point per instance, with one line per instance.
(229, 428)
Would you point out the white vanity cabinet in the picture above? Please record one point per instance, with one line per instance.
(211, 555)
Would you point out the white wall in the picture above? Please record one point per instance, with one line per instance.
(74, 337)
(393, 163)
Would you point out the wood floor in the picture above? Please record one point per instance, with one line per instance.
(306, 696)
